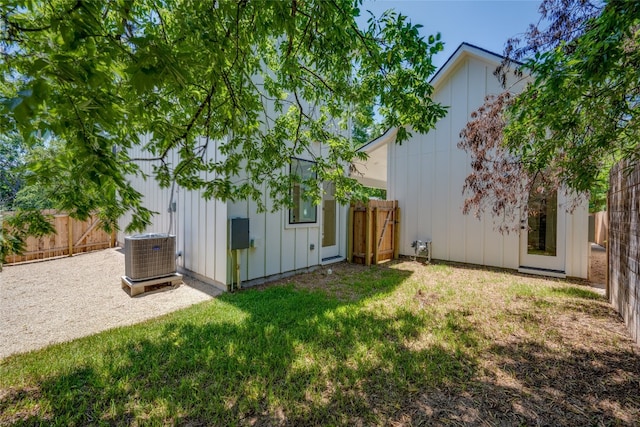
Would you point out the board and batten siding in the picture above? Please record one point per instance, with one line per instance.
(277, 249)
(426, 175)
(200, 225)
(201, 229)
(280, 248)
(577, 240)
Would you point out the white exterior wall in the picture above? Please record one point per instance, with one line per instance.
(280, 247)
(276, 249)
(578, 247)
(201, 228)
(426, 175)
(200, 225)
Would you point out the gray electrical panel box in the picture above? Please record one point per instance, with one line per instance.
(239, 233)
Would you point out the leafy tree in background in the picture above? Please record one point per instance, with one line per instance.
(11, 160)
(16, 227)
(576, 117)
(364, 126)
(14, 193)
(266, 79)
(32, 197)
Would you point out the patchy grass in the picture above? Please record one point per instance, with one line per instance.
(399, 344)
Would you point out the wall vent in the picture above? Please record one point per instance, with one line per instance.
(149, 256)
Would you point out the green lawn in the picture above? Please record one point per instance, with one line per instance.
(402, 343)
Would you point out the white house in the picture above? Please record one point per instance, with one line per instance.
(426, 175)
(282, 242)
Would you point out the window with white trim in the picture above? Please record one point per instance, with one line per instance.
(303, 211)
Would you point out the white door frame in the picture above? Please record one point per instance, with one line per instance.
(333, 251)
(545, 264)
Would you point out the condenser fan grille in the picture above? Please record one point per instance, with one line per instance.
(148, 256)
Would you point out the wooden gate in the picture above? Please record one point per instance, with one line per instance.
(373, 231)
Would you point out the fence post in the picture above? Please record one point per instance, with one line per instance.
(607, 292)
(367, 238)
(396, 233)
(350, 234)
(376, 235)
(70, 229)
(1, 232)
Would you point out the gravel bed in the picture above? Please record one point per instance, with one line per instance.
(53, 301)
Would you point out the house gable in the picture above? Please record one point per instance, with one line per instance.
(426, 175)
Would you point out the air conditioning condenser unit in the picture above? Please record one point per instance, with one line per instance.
(149, 256)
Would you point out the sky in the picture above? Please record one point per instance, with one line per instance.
(484, 23)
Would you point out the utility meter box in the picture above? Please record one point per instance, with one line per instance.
(239, 233)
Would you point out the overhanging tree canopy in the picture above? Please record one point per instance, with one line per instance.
(267, 78)
(578, 115)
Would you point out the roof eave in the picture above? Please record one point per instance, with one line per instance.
(385, 138)
(463, 50)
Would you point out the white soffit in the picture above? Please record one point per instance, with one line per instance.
(372, 172)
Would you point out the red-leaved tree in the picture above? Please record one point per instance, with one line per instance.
(576, 116)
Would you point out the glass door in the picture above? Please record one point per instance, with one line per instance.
(542, 242)
(329, 222)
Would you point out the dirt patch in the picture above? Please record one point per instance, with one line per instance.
(556, 357)
(59, 300)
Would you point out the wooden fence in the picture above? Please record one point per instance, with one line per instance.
(373, 232)
(599, 227)
(71, 237)
(623, 245)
